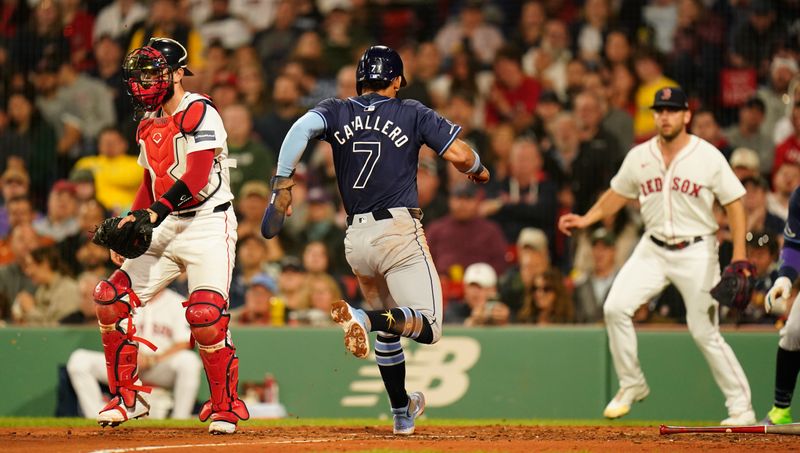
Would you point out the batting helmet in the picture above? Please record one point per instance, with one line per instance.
(379, 63)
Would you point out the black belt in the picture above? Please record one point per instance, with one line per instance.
(678, 246)
(383, 214)
(219, 208)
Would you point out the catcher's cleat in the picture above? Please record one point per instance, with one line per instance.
(116, 413)
(777, 416)
(404, 417)
(742, 419)
(221, 427)
(625, 397)
(355, 324)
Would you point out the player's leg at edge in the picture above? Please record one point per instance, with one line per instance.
(208, 320)
(787, 367)
(391, 325)
(114, 301)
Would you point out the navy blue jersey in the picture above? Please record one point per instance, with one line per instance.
(792, 228)
(376, 142)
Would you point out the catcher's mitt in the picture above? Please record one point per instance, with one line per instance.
(736, 285)
(131, 240)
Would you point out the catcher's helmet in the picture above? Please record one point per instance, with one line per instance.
(379, 63)
(173, 52)
(148, 78)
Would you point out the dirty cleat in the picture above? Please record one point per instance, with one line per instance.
(778, 416)
(404, 417)
(745, 418)
(356, 327)
(116, 412)
(221, 427)
(621, 404)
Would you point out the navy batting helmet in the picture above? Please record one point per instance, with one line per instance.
(173, 52)
(379, 63)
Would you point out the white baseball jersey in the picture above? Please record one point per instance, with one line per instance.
(163, 150)
(677, 202)
(162, 322)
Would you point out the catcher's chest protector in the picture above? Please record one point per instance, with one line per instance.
(164, 143)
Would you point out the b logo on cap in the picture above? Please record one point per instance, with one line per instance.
(666, 93)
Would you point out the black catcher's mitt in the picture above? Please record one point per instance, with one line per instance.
(130, 241)
(736, 285)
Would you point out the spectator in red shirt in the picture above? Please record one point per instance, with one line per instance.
(789, 149)
(513, 96)
(449, 236)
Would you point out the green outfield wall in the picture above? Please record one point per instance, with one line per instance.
(558, 372)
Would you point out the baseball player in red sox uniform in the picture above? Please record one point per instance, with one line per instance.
(186, 192)
(676, 177)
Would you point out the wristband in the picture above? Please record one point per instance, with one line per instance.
(477, 167)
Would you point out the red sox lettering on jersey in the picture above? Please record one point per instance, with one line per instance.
(678, 185)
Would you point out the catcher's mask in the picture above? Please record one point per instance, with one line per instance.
(148, 78)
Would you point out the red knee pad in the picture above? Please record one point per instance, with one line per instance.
(206, 316)
(108, 294)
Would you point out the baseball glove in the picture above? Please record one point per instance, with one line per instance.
(736, 285)
(131, 240)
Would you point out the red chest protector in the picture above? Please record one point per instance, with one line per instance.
(160, 138)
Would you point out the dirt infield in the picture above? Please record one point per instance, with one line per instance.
(428, 438)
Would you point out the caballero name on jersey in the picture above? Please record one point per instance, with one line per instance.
(395, 134)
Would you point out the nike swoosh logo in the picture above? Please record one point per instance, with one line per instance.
(788, 232)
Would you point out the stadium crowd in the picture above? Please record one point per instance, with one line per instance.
(551, 93)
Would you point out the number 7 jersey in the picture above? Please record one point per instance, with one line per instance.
(376, 142)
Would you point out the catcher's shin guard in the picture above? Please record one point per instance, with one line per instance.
(206, 315)
(118, 335)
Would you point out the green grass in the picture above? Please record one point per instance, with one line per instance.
(19, 422)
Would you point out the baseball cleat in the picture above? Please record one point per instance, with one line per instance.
(116, 413)
(404, 416)
(743, 419)
(221, 427)
(354, 322)
(777, 416)
(625, 397)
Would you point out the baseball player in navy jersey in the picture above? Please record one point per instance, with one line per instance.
(676, 177)
(186, 191)
(787, 365)
(376, 140)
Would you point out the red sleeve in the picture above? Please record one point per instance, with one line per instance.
(198, 166)
(144, 196)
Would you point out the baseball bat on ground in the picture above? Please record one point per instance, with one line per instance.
(791, 428)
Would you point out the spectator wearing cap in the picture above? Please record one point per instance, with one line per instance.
(782, 70)
(705, 126)
(253, 159)
(321, 227)
(762, 252)
(22, 240)
(118, 18)
(116, 174)
(292, 282)
(38, 144)
(745, 163)
(514, 95)
(747, 132)
(533, 258)
(548, 109)
(251, 202)
(471, 30)
(784, 182)
(463, 225)
(624, 227)
(62, 211)
(649, 70)
(251, 260)
(789, 149)
(257, 301)
(755, 207)
(13, 184)
(591, 289)
(527, 197)
(432, 200)
(754, 41)
(480, 306)
(83, 180)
